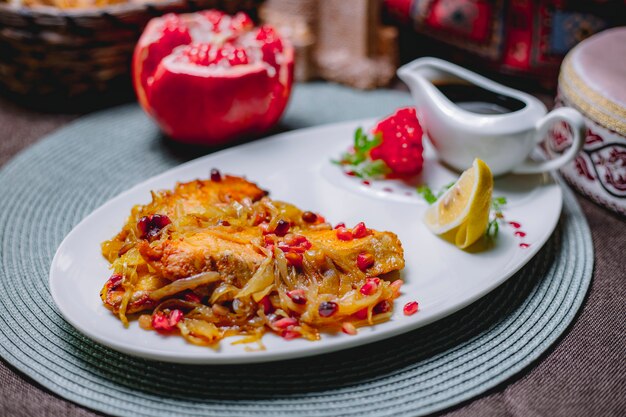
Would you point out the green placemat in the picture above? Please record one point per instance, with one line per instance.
(49, 188)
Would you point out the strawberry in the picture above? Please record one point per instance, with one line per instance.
(401, 142)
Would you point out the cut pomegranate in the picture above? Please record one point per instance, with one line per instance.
(365, 261)
(150, 226)
(401, 147)
(410, 308)
(208, 77)
(327, 308)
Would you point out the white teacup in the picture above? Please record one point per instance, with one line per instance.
(502, 131)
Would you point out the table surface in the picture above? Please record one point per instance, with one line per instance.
(583, 374)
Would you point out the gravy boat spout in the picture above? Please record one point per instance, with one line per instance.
(468, 116)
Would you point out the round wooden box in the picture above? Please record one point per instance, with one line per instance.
(593, 81)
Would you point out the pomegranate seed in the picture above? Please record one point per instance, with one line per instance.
(266, 304)
(360, 231)
(192, 297)
(320, 219)
(213, 16)
(241, 22)
(216, 176)
(282, 227)
(290, 334)
(285, 322)
(150, 226)
(166, 322)
(309, 217)
(370, 286)
(327, 308)
(382, 307)
(364, 260)
(297, 240)
(410, 308)
(361, 314)
(348, 328)
(114, 281)
(340, 225)
(344, 234)
(297, 296)
(294, 259)
(223, 223)
(395, 287)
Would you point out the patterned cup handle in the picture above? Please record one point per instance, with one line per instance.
(576, 122)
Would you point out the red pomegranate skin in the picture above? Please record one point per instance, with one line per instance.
(204, 105)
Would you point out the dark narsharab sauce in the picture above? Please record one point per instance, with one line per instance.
(476, 99)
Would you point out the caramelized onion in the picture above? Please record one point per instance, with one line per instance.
(189, 283)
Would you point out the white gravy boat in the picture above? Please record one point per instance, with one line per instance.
(465, 129)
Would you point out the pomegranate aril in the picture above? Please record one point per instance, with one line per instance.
(282, 227)
(309, 217)
(382, 307)
(150, 226)
(364, 261)
(359, 231)
(241, 22)
(114, 281)
(166, 322)
(294, 259)
(192, 297)
(290, 334)
(214, 17)
(266, 304)
(285, 322)
(327, 308)
(348, 328)
(340, 225)
(223, 223)
(297, 296)
(370, 286)
(344, 234)
(410, 308)
(361, 314)
(216, 175)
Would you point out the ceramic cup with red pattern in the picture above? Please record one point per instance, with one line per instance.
(593, 81)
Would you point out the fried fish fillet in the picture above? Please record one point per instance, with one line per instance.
(229, 227)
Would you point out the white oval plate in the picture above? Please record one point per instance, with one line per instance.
(295, 167)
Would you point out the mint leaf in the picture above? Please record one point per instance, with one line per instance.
(427, 194)
(358, 161)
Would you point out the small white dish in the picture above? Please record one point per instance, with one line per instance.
(295, 167)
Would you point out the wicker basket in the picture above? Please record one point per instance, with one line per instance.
(51, 57)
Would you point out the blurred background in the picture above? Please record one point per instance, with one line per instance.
(75, 55)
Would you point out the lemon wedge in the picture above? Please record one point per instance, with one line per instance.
(461, 214)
